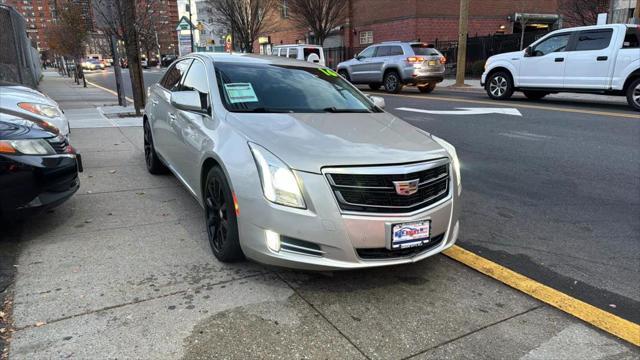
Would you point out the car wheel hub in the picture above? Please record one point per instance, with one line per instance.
(147, 145)
(498, 86)
(216, 211)
(391, 83)
(636, 95)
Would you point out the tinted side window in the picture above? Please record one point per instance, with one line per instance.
(632, 39)
(395, 50)
(171, 80)
(196, 79)
(382, 51)
(556, 43)
(593, 39)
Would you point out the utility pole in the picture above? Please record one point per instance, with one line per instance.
(190, 25)
(122, 101)
(461, 63)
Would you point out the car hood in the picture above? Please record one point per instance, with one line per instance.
(309, 142)
(507, 56)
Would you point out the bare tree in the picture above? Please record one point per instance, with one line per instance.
(69, 34)
(244, 18)
(125, 20)
(581, 12)
(321, 16)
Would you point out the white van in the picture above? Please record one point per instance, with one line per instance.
(304, 52)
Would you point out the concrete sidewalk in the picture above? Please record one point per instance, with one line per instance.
(88, 107)
(124, 270)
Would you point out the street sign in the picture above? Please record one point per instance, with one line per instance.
(183, 24)
(466, 111)
(184, 42)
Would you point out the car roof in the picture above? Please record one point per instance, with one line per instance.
(239, 58)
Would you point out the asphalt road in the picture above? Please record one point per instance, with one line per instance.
(552, 193)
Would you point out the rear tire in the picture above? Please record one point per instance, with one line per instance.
(499, 85)
(392, 82)
(535, 95)
(633, 94)
(375, 86)
(154, 164)
(220, 217)
(344, 74)
(427, 88)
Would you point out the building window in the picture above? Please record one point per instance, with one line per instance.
(285, 9)
(366, 37)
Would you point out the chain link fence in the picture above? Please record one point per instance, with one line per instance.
(19, 61)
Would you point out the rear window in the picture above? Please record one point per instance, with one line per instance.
(594, 39)
(424, 50)
(632, 39)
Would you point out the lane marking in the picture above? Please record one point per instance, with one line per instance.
(494, 103)
(525, 135)
(615, 325)
(466, 111)
(108, 90)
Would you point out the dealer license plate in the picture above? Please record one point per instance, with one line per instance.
(410, 234)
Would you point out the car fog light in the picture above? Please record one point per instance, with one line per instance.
(273, 240)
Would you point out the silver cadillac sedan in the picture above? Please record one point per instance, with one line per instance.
(295, 167)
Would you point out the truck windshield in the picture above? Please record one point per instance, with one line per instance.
(271, 88)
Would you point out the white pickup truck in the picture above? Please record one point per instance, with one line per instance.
(601, 59)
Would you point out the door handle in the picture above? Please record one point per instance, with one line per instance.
(559, 59)
(602, 58)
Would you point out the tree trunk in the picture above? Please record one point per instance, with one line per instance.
(133, 55)
(117, 71)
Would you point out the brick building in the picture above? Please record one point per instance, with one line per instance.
(370, 21)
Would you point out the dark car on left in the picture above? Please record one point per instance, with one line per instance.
(38, 167)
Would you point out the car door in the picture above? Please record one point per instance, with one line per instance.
(543, 65)
(589, 62)
(361, 66)
(382, 55)
(189, 125)
(164, 136)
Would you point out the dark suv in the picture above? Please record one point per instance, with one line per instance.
(394, 64)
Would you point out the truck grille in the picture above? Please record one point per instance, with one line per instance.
(375, 192)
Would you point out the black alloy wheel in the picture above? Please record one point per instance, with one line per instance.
(220, 218)
(153, 162)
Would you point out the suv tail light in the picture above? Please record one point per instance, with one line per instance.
(415, 59)
(443, 60)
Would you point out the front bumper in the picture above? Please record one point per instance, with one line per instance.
(338, 238)
(29, 184)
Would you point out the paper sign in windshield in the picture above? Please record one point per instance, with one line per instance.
(240, 93)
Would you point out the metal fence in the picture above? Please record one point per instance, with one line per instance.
(478, 50)
(19, 61)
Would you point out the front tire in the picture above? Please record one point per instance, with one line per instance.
(633, 94)
(534, 95)
(154, 164)
(499, 85)
(220, 217)
(392, 82)
(427, 88)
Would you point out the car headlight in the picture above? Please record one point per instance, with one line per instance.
(455, 162)
(279, 184)
(26, 147)
(40, 109)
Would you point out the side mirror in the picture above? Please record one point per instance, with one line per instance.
(186, 100)
(527, 51)
(377, 101)
(358, 57)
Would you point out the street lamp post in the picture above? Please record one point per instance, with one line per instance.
(188, 8)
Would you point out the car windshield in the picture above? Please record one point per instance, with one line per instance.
(271, 88)
(424, 50)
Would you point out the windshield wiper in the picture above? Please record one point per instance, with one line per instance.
(333, 109)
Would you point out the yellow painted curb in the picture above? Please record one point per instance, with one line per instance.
(597, 317)
(516, 105)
